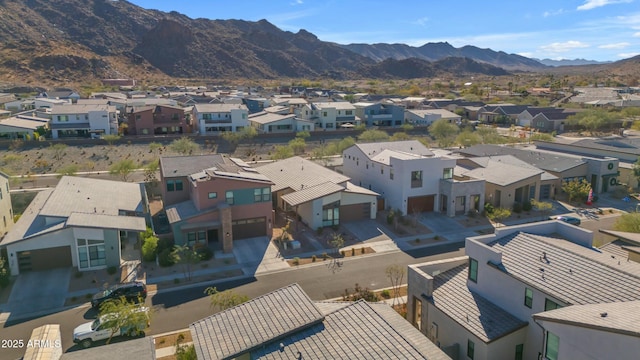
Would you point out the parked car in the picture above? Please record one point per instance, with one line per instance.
(569, 220)
(132, 291)
(99, 329)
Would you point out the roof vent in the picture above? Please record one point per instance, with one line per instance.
(281, 347)
(603, 314)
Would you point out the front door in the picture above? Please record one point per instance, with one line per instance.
(213, 240)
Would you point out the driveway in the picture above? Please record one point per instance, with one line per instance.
(38, 292)
(366, 230)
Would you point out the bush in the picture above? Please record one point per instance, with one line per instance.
(324, 256)
(205, 253)
(5, 273)
(488, 208)
(296, 261)
(165, 258)
(353, 251)
(78, 274)
(149, 248)
(517, 207)
(112, 270)
(319, 230)
(313, 258)
(362, 251)
(385, 293)
(527, 206)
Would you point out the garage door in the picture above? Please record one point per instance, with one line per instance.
(420, 203)
(248, 228)
(355, 212)
(45, 259)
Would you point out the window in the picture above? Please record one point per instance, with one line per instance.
(196, 237)
(391, 174)
(447, 173)
(63, 118)
(0, 194)
(229, 197)
(171, 185)
(519, 351)
(417, 313)
(528, 298)
(257, 195)
(330, 126)
(473, 270)
(551, 305)
(266, 194)
(471, 347)
(324, 113)
(213, 195)
(348, 112)
(416, 179)
(552, 346)
(178, 185)
(90, 253)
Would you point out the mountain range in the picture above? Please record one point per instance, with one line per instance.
(63, 41)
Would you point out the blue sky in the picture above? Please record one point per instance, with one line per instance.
(556, 29)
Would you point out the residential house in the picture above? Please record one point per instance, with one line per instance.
(22, 126)
(143, 348)
(412, 178)
(214, 200)
(82, 222)
(426, 117)
(601, 172)
(61, 94)
(499, 301)
(525, 117)
(550, 121)
(157, 120)
(214, 119)
(19, 105)
(500, 113)
(379, 114)
(6, 210)
(287, 324)
(47, 103)
(83, 120)
(319, 196)
(267, 122)
(330, 115)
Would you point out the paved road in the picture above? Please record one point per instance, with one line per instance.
(177, 309)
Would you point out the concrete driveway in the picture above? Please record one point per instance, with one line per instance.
(366, 230)
(38, 292)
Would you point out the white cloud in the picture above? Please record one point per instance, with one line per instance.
(558, 47)
(636, 34)
(422, 21)
(628, 55)
(526, 54)
(297, 2)
(620, 45)
(592, 4)
(553, 13)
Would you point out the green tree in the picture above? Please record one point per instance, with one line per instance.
(592, 120)
(576, 189)
(303, 134)
(499, 214)
(149, 246)
(58, 150)
(443, 132)
(629, 222)
(187, 257)
(544, 207)
(154, 147)
(281, 152)
(468, 138)
(336, 241)
(111, 138)
(184, 146)
(226, 299)
(68, 170)
(120, 314)
(297, 145)
(373, 136)
(400, 136)
(123, 168)
(636, 170)
(396, 274)
(489, 135)
(5, 273)
(185, 352)
(360, 293)
(345, 144)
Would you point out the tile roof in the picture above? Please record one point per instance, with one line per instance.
(22, 123)
(210, 108)
(85, 195)
(250, 325)
(353, 188)
(476, 314)
(500, 170)
(339, 105)
(572, 273)
(619, 317)
(410, 146)
(617, 248)
(131, 223)
(80, 109)
(297, 173)
(311, 193)
(179, 166)
(267, 117)
(140, 349)
(444, 114)
(544, 160)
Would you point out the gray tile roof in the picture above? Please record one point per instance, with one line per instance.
(248, 326)
(297, 173)
(476, 314)
(311, 193)
(211, 108)
(541, 159)
(179, 166)
(572, 273)
(85, 195)
(619, 317)
(266, 118)
(629, 146)
(130, 223)
(80, 109)
(356, 331)
(616, 248)
(139, 349)
(500, 170)
(410, 146)
(353, 188)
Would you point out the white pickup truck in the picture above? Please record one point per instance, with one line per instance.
(96, 330)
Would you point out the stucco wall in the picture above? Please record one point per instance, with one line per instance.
(6, 212)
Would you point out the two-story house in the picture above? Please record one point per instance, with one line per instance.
(412, 178)
(497, 302)
(380, 114)
(214, 200)
(83, 120)
(214, 119)
(6, 210)
(330, 115)
(157, 120)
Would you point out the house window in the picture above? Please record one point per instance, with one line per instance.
(90, 253)
(266, 194)
(324, 113)
(381, 170)
(0, 194)
(391, 174)
(552, 346)
(519, 352)
(528, 298)
(179, 185)
(416, 179)
(473, 270)
(229, 197)
(331, 214)
(257, 195)
(213, 195)
(330, 126)
(145, 131)
(471, 348)
(171, 185)
(417, 313)
(551, 305)
(206, 116)
(447, 173)
(348, 112)
(196, 237)
(63, 118)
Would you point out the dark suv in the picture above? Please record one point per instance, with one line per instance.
(132, 291)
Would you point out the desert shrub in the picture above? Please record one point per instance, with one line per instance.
(296, 261)
(517, 207)
(165, 257)
(205, 253)
(488, 207)
(385, 293)
(112, 270)
(526, 206)
(324, 256)
(149, 248)
(5, 273)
